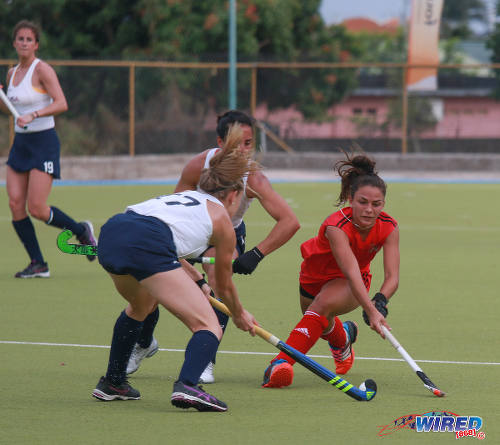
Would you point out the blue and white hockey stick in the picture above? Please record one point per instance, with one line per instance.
(365, 392)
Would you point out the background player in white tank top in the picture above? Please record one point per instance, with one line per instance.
(33, 163)
(256, 186)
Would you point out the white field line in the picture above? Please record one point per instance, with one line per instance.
(316, 225)
(75, 345)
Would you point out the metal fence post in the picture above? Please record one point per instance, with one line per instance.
(131, 111)
(404, 117)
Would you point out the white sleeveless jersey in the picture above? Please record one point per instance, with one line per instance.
(26, 99)
(245, 201)
(187, 216)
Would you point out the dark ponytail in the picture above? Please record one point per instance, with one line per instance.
(355, 172)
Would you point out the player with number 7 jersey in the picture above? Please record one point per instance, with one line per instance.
(143, 249)
(187, 216)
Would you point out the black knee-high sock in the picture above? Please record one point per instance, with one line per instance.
(146, 335)
(199, 351)
(26, 233)
(59, 219)
(125, 334)
(223, 319)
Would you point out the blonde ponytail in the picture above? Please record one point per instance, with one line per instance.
(229, 166)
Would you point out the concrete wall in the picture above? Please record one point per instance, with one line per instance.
(170, 166)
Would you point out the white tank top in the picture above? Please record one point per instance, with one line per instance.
(187, 216)
(245, 201)
(26, 99)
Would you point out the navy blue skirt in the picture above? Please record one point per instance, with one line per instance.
(136, 245)
(39, 150)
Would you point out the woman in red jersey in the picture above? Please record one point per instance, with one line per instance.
(335, 274)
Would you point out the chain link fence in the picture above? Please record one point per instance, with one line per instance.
(153, 108)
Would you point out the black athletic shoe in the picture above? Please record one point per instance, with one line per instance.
(34, 270)
(185, 396)
(88, 238)
(106, 391)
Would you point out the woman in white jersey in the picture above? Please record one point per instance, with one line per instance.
(33, 163)
(142, 249)
(256, 185)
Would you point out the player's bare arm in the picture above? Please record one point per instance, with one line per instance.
(191, 173)
(46, 78)
(348, 264)
(275, 205)
(196, 276)
(223, 238)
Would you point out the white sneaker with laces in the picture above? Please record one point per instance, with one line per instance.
(207, 376)
(139, 354)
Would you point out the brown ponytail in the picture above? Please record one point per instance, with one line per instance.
(355, 172)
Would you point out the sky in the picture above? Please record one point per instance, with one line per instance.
(335, 11)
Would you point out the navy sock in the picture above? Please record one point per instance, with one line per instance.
(200, 349)
(146, 335)
(59, 219)
(125, 334)
(223, 319)
(26, 233)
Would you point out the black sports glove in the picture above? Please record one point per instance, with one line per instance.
(247, 262)
(380, 302)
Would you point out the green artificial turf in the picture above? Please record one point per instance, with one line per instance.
(445, 310)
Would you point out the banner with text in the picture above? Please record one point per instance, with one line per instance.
(423, 39)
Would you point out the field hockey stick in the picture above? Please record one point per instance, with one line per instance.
(77, 249)
(421, 375)
(83, 249)
(11, 107)
(366, 390)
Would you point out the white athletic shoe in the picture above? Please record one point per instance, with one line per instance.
(207, 376)
(139, 354)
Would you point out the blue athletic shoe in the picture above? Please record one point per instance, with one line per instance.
(278, 374)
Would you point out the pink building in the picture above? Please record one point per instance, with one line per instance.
(457, 117)
(462, 107)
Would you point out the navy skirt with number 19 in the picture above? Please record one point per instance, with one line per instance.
(39, 150)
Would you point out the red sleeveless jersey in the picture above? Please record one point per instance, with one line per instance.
(319, 263)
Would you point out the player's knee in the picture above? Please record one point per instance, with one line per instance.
(217, 331)
(37, 210)
(211, 326)
(138, 312)
(16, 205)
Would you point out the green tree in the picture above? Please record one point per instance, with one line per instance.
(493, 43)
(456, 17)
(186, 30)
(268, 30)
